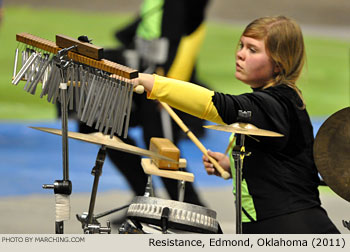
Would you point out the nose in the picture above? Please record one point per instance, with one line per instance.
(240, 54)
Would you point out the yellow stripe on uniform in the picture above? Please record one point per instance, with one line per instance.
(186, 55)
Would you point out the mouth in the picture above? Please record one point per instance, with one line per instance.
(238, 67)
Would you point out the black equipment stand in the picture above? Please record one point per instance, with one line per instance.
(63, 187)
(89, 222)
(238, 154)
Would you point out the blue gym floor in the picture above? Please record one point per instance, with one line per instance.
(31, 158)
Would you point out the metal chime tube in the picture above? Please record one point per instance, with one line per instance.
(24, 68)
(15, 64)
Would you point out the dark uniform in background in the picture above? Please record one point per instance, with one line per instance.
(165, 38)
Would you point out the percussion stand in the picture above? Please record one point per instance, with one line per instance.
(238, 154)
(181, 188)
(88, 220)
(62, 188)
(149, 191)
(127, 228)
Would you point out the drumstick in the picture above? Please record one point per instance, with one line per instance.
(230, 145)
(195, 140)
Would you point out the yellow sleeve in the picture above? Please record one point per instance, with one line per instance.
(186, 55)
(185, 96)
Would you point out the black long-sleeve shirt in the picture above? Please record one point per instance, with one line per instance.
(280, 175)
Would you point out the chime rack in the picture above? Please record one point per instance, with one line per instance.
(52, 47)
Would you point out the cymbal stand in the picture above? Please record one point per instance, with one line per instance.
(181, 188)
(62, 188)
(89, 222)
(238, 154)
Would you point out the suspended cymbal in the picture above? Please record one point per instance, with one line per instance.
(244, 128)
(332, 152)
(100, 139)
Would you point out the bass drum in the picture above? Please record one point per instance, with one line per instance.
(168, 216)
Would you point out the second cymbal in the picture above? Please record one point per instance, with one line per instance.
(245, 129)
(331, 152)
(100, 139)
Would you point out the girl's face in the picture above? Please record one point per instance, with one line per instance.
(253, 66)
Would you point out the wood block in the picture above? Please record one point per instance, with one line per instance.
(150, 168)
(166, 148)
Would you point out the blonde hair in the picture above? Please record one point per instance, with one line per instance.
(285, 45)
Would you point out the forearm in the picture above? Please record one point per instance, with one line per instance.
(184, 96)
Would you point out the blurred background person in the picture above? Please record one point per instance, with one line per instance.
(164, 38)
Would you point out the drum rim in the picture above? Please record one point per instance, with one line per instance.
(183, 216)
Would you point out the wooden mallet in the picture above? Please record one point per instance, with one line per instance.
(195, 140)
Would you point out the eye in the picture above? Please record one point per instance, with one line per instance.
(240, 45)
(252, 49)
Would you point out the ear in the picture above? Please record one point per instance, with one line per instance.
(276, 69)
